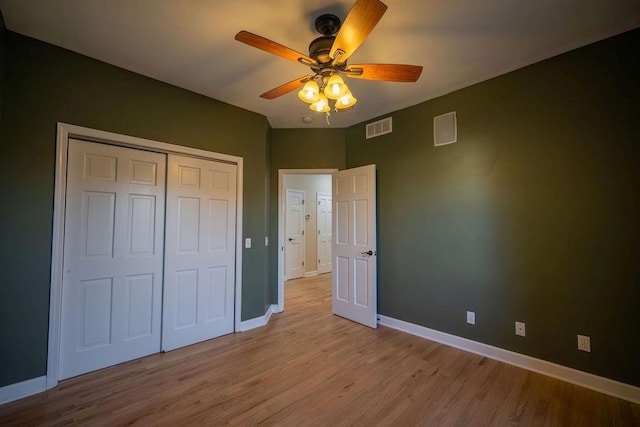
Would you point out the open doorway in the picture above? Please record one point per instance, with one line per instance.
(314, 233)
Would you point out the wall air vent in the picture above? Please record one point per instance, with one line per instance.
(445, 130)
(379, 128)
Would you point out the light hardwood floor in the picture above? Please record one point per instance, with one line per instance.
(308, 367)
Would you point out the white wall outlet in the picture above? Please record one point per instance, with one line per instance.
(247, 242)
(584, 343)
(471, 317)
(520, 330)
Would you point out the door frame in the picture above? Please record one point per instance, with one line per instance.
(66, 131)
(282, 194)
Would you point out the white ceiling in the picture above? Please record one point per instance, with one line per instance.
(190, 43)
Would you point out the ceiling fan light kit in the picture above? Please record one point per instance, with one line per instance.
(328, 55)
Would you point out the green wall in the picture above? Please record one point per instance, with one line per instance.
(533, 215)
(44, 85)
(3, 32)
(299, 149)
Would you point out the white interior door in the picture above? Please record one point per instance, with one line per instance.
(199, 285)
(324, 232)
(112, 277)
(294, 225)
(354, 245)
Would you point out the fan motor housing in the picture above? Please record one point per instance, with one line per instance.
(328, 25)
(319, 49)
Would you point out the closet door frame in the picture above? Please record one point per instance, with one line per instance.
(66, 131)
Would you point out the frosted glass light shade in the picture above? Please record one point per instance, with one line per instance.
(335, 88)
(321, 106)
(346, 101)
(310, 92)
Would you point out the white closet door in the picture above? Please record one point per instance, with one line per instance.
(294, 223)
(113, 256)
(200, 251)
(324, 232)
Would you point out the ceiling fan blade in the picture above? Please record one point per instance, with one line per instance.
(385, 72)
(285, 88)
(362, 18)
(273, 47)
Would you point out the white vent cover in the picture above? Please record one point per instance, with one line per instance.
(445, 129)
(379, 128)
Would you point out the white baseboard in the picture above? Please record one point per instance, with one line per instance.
(36, 385)
(257, 322)
(574, 376)
(22, 389)
(310, 273)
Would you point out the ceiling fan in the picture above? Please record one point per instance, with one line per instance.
(328, 55)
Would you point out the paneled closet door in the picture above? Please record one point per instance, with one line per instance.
(113, 256)
(200, 251)
(324, 232)
(294, 225)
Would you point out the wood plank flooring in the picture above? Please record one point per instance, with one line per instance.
(308, 367)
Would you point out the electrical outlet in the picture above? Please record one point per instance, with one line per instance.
(471, 317)
(584, 343)
(520, 330)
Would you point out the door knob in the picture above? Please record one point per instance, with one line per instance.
(367, 253)
(290, 239)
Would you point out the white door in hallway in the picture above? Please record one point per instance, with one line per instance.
(113, 256)
(294, 226)
(324, 232)
(199, 270)
(354, 245)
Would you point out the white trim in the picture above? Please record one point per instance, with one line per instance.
(310, 273)
(281, 210)
(564, 373)
(258, 322)
(65, 131)
(57, 245)
(239, 246)
(16, 391)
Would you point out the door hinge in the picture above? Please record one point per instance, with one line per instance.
(303, 263)
(318, 202)
(303, 232)
(303, 201)
(318, 231)
(318, 260)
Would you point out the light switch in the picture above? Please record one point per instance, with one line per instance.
(247, 242)
(266, 241)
